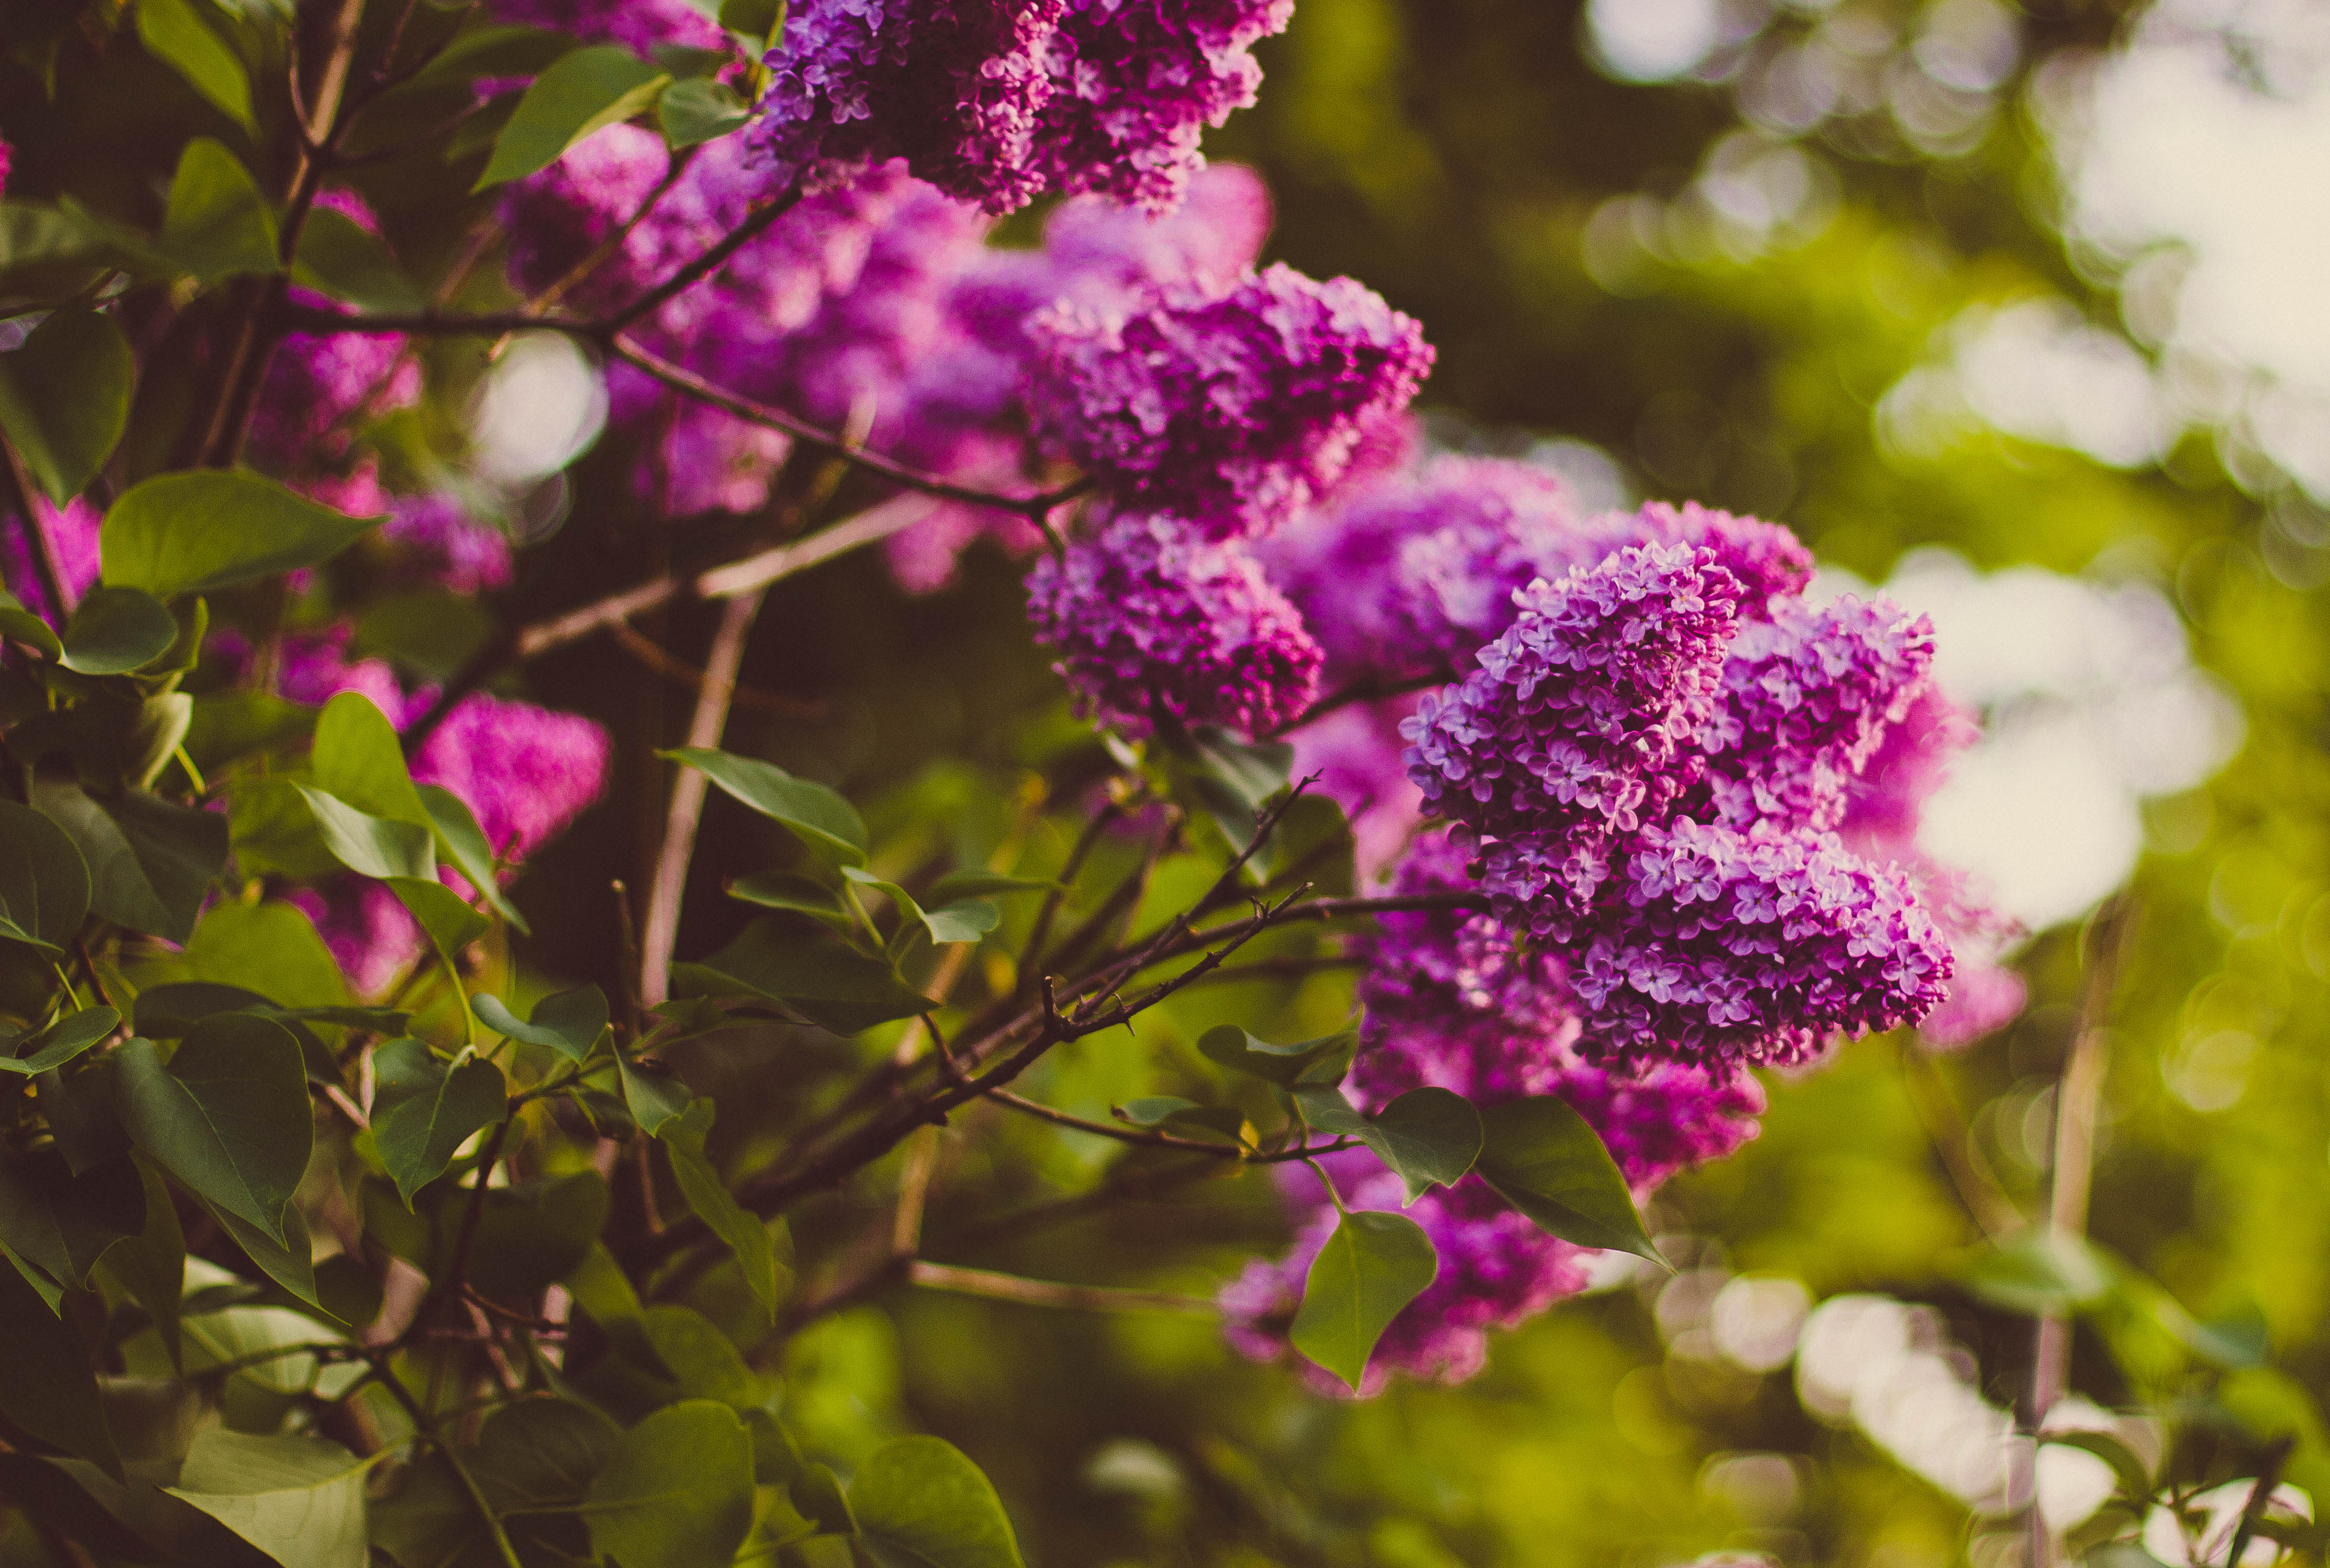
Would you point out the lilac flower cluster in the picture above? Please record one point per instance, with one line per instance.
(998, 101)
(639, 25)
(1154, 622)
(1233, 410)
(72, 536)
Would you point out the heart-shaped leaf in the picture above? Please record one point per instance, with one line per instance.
(298, 1500)
(1429, 1136)
(424, 1110)
(115, 630)
(677, 1491)
(43, 883)
(369, 846)
(1368, 1271)
(918, 1503)
(201, 530)
(1542, 1158)
(228, 1116)
(64, 398)
(567, 1022)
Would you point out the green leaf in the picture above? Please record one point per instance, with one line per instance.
(1370, 1269)
(174, 34)
(752, 18)
(152, 1264)
(567, 1022)
(150, 864)
(819, 817)
(451, 924)
(356, 758)
(920, 1504)
(43, 883)
(64, 398)
(496, 51)
(216, 223)
(115, 630)
(269, 949)
(1430, 1137)
(63, 1223)
(231, 725)
(1542, 1158)
(543, 1453)
(44, 1050)
(339, 257)
(431, 1110)
(244, 1333)
(228, 1117)
(23, 626)
(815, 974)
(1305, 1061)
(678, 1492)
(964, 920)
(746, 1234)
(1214, 1123)
(200, 531)
(289, 1262)
(790, 891)
(46, 1387)
(816, 1493)
(656, 1099)
(570, 100)
(371, 845)
(462, 843)
(533, 1233)
(961, 884)
(298, 1500)
(2040, 1270)
(699, 110)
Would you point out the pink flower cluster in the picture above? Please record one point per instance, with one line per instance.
(998, 101)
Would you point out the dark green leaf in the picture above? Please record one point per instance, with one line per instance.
(152, 1264)
(964, 920)
(819, 817)
(543, 1453)
(1429, 1136)
(150, 863)
(228, 1117)
(115, 630)
(752, 18)
(788, 890)
(1214, 1123)
(497, 50)
(81, 1111)
(216, 223)
(163, 719)
(567, 1022)
(746, 1234)
(656, 1099)
(959, 885)
(340, 257)
(167, 1011)
(270, 949)
(451, 924)
(46, 1049)
(46, 1387)
(64, 398)
(289, 1262)
(1370, 1270)
(816, 1493)
(200, 531)
(701, 108)
(462, 843)
(21, 625)
(677, 1491)
(43, 883)
(173, 34)
(1305, 1061)
(369, 846)
(2234, 1341)
(571, 97)
(63, 1223)
(533, 1233)
(298, 1500)
(431, 1110)
(920, 1504)
(1542, 1158)
(231, 725)
(814, 973)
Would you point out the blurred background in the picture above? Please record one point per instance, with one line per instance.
(2018, 312)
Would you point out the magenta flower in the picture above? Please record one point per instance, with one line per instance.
(639, 25)
(437, 542)
(73, 537)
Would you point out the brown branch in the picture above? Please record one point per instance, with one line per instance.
(665, 663)
(661, 930)
(1045, 1293)
(756, 223)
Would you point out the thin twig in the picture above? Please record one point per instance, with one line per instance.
(1045, 1293)
(661, 932)
(665, 663)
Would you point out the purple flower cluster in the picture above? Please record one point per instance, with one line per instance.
(439, 542)
(1234, 409)
(1154, 622)
(998, 101)
(639, 25)
(7, 159)
(72, 536)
